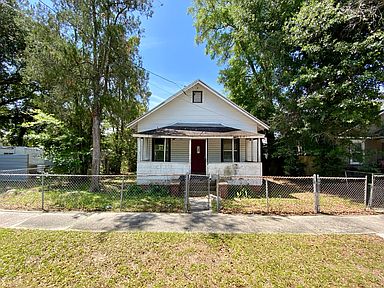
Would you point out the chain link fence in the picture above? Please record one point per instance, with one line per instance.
(340, 195)
(91, 193)
(190, 193)
(293, 195)
(262, 195)
(377, 192)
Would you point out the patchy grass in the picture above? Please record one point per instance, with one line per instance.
(138, 200)
(293, 204)
(30, 258)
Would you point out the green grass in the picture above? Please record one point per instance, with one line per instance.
(295, 204)
(30, 258)
(151, 200)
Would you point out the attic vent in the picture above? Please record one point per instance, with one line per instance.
(197, 97)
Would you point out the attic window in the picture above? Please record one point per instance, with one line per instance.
(197, 97)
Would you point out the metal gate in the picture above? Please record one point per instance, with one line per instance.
(198, 192)
(376, 199)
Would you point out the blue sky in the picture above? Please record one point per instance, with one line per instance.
(168, 48)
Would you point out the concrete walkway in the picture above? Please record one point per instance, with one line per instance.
(194, 222)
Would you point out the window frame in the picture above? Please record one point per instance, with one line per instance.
(236, 149)
(356, 150)
(197, 93)
(167, 152)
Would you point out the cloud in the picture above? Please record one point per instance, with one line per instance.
(151, 43)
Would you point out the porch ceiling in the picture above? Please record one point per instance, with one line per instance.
(198, 130)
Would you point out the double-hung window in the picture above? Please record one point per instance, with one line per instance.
(197, 97)
(226, 150)
(161, 149)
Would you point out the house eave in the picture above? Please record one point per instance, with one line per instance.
(138, 135)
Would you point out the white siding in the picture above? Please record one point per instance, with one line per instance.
(214, 150)
(162, 168)
(179, 150)
(212, 110)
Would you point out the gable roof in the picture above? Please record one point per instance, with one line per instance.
(182, 91)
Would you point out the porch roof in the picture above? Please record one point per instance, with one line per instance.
(198, 130)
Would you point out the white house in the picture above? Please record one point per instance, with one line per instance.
(198, 131)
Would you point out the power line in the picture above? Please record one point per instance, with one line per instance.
(140, 67)
(49, 7)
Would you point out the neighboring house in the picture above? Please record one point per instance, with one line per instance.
(198, 131)
(370, 148)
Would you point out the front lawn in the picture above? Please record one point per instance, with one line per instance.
(153, 199)
(293, 204)
(30, 258)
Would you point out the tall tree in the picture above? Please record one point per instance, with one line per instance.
(16, 93)
(92, 39)
(312, 69)
(247, 38)
(335, 81)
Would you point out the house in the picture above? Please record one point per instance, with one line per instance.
(198, 131)
(369, 148)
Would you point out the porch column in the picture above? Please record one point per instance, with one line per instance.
(206, 152)
(139, 156)
(252, 142)
(165, 148)
(233, 150)
(259, 150)
(150, 148)
(189, 151)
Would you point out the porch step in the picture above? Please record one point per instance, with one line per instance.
(200, 193)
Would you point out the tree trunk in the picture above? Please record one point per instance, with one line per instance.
(96, 149)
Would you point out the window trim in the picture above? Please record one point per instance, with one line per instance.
(167, 149)
(197, 93)
(354, 152)
(236, 149)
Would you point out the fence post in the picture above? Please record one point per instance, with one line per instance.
(42, 191)
(267, 194)
(186, 193)
(316, 193)
(121, 193)
(366, 191)
(209, 192)
(217, 194)
(372, 191)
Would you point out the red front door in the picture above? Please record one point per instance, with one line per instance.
(198, 157)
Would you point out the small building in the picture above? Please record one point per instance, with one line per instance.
(198, 131)
(20, 159)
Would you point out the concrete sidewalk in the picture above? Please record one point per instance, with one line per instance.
(195, 222)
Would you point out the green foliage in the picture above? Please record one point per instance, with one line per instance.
(311, 69)
(337, 56)
(86, 56)
(68, 152)
(242, 193)
(16, 92)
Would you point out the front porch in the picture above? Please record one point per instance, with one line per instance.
(161, 158)
(149, 168)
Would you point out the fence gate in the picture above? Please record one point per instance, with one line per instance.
(198, 189)
(377, 192)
